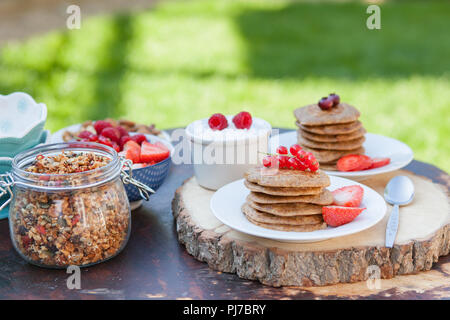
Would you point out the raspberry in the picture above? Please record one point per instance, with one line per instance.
(106, 141)
(282, 150)
(111, 133)
(243, 120)
(85, 134)
(123, 140)
(139, 138)
(218, 121)
(115, 146)
(100, 125)
(122, 131)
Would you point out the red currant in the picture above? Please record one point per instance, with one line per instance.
(293, 163)
(294, 149)
(283, 161)
(266, 161)
(282, 150)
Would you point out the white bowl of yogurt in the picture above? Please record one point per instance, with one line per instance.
(222, 156)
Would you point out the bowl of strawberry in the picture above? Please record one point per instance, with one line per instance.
(151, 155)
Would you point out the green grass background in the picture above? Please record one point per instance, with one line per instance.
(184, 60)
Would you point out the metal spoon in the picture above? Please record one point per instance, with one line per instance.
(399, 192)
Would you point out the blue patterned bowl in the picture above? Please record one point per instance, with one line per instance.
(152, 176)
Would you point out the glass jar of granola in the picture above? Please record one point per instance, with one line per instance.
(69, 205)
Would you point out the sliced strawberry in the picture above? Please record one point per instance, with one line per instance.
(354, 162)
(337, 216)
(132, 151)
(379, 162)
(151, 152)
(161, 145)
(139, 165)
(349, 196)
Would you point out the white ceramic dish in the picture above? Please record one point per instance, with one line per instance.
(21, 123)
(375, 145)
(227, 201)
(220, 157)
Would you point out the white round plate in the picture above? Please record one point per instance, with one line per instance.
(58, 135)
(227, 201)
(375, 145)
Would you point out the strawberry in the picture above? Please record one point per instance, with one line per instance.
(151, 152)
(379, 162)
(161, 145)
(337, 216)
(354, 162)
(139, 138)
(349, 196)
(132, 151)
(100, 125)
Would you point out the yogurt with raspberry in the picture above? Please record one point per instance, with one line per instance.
(222, 156)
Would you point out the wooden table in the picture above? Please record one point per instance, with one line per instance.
(155, 265)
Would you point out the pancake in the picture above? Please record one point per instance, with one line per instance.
(342, 145)
(332, 138)
(312, 115)
(327, 156)
(272, 219)
(279, 191)
(332, 129)
(324, 198)
(287, 177)
(287, 209)
(284, 227)
(329, 167)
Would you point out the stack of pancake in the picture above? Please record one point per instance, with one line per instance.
(285, 199)
(330, 134)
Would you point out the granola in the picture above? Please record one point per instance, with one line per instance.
(76, 227)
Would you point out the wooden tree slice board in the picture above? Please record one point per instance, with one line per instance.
(423, 236)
